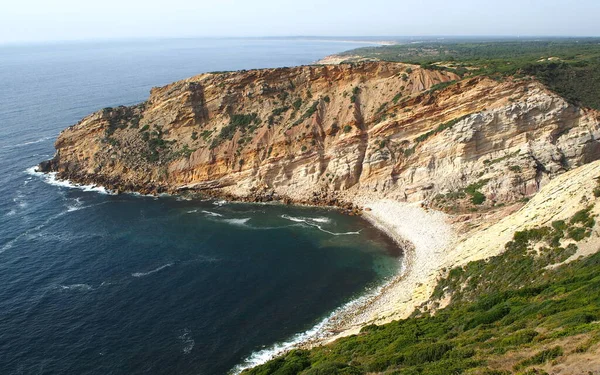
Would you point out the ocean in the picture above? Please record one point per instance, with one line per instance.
(94, 283)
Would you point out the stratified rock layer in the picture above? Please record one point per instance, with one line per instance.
(326, 134)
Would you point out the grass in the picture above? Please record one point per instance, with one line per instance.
(510, 303)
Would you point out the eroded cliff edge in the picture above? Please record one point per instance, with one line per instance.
(334, 134)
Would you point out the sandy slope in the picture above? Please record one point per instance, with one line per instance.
(433, 246)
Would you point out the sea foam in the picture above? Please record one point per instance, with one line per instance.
(187, 341)
(52, 179)
(142, 274)
(313, 223)
(239, 222)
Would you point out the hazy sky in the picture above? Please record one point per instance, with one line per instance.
(40, 20)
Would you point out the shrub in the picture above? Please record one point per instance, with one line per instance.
(297, 103)
(541, 357)
(355, 92)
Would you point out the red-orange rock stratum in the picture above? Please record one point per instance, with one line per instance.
(327, 134)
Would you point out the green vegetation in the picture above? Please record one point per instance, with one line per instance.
(277, 112)
(297, 104)
(205, 134)
(241, 122)
(157, 147)
(507, 305)
(440, 128)
(440, 86)
(570, 67)
(397, 97)
(476, 197)
(355, 92)
(121, 118)
(309, 112)
(381, 107)
(541, 357)
(489, 162)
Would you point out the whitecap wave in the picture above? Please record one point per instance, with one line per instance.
(76, 206)
(192, 211)
(313, 223)
(27, 232)
(52, 179)
(79, 287)
(187, 340)
(11, 213)
(142, 274)
(210, 213)
(39, 140)
(19, 200)
(239, 222)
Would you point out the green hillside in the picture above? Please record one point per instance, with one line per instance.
(570, 67)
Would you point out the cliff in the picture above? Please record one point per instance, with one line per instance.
(333, 134)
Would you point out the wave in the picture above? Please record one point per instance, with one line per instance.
(313, 223)
(210, 213)
(29, 142)
(69, 209)
(265, 355)
(318, 331)
(239, 222)
(187, 340)
(80, 287)
(51, 178)
(142, 274)
(76, 206)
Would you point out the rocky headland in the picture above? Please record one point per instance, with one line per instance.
(450, 167)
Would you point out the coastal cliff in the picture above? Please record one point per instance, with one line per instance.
(451, 168)
(332, 134)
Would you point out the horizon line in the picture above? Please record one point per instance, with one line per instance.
(374, 38)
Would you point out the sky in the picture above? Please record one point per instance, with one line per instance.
(55, 20)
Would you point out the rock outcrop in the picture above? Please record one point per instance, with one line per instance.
(334, 133)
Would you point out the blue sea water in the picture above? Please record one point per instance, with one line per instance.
(92, 283)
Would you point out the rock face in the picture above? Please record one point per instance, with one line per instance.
(334, 133)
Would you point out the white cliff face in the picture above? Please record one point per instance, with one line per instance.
(376, 129)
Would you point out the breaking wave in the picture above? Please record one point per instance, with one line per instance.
(239, 222)
(78, 287)
(313, 222)
(142, 274)
(50, 178)
(187, 340)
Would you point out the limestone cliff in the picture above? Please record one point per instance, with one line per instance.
(334, 133)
